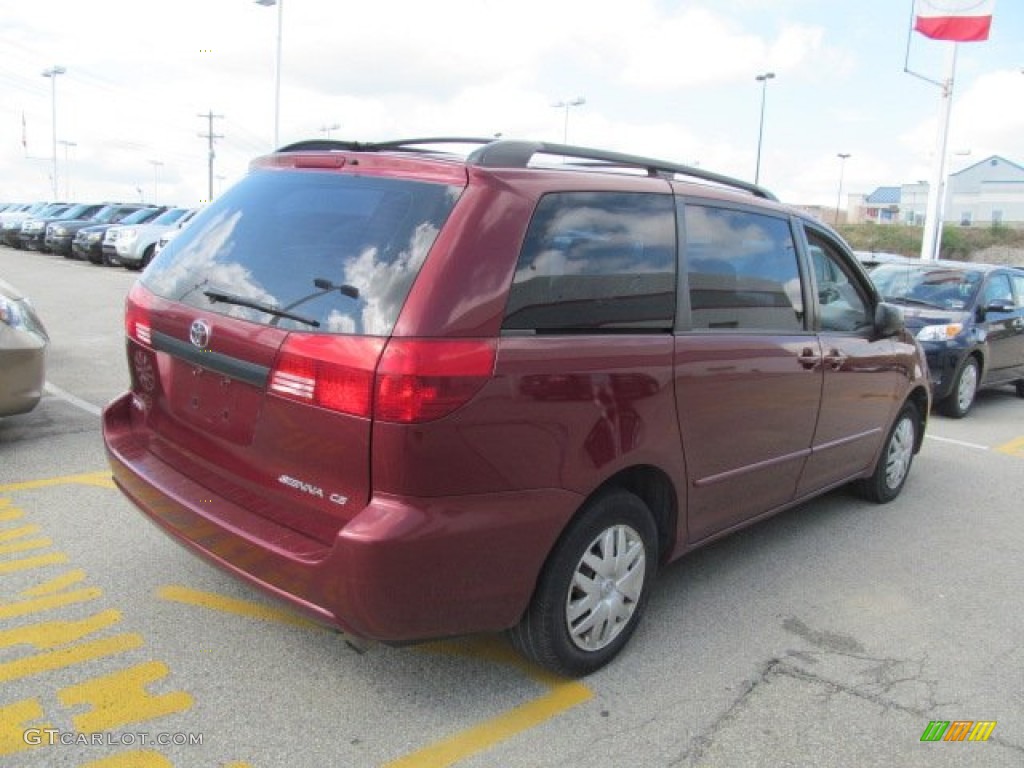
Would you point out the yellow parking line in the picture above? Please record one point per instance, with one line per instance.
(563, 695)
(98, 479)
(139, 758)
(233, 605)
(1014, 447)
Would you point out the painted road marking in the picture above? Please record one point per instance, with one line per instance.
(235, 606)
(98, 704)
(67, 397)
(562, 694)
(961, 443)
(97, 479)
(1013, 448)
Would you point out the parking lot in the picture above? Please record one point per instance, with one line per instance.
(831, 635)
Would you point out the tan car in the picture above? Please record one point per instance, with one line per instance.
(23, 342)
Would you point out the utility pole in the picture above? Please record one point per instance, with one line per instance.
(210, 136)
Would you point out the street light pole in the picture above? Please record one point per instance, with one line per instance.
(52, 73)
(839, 197)
(67, 168)
(156, 165)
(277, 75)
(328, 128)
(763, 80)
(567, 104)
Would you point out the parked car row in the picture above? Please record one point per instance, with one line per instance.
(125, 234)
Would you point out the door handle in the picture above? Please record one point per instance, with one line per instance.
(835, 359)
(809, 359)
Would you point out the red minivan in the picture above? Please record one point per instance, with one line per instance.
(417, 394)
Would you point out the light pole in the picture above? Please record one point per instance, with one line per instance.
(67, 168)
(763, 80)
(567, 104)
(52, 73)
(156, 165)
(277, 75)
(328, 128)
(839, 196)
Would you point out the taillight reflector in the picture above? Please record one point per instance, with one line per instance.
(333, 372)
(136, 317)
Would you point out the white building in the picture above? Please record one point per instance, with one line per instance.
(988, 193)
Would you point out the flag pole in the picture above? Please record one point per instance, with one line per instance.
(931, 241)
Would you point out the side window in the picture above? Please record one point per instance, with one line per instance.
(1018, 286)
(596, 261)
(997, 288)
(844, 305)
(742, 270)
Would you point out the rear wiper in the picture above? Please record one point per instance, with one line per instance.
(228, 298)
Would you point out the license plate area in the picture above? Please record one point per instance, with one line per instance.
(214, 402)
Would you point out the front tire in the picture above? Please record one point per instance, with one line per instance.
(593, 588)
(965, 389)
(890, 473)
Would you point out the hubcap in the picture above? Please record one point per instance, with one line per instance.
(967, 387)
(606, 587)
(901, 451)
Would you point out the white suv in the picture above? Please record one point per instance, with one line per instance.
(136, 244)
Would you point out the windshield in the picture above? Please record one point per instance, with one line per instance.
(171, 216)
(935, 286)
(107, 215)
(140, 216)
(303, 250)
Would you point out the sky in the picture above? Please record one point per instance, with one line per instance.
(672, 79)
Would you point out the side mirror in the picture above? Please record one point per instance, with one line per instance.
(888, 320)
(1000, 305)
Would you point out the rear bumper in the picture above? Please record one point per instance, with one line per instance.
(401, 570)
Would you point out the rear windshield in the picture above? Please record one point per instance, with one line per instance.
(306, 250)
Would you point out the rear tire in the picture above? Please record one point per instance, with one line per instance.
(593, 588)
(965, 390)
(146, 258)
(890, 473)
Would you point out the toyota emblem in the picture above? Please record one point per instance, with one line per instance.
(199, 333)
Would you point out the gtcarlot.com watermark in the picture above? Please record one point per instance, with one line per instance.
(50, 737)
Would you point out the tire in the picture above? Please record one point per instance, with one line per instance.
(1019, 384)
(146, 258)
(893, 467)
(578, 619)
(965, 390)
(98, 260)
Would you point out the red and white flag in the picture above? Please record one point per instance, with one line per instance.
(962, 21)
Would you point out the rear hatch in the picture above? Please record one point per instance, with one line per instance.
(254, 336)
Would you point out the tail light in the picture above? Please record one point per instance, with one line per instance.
(136, 316)
(401, 380)
(333, 372)
(422, 380)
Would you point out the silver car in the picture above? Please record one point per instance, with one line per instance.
(23, 343)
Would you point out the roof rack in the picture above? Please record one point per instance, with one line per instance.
(498, 153)
(409, 145)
